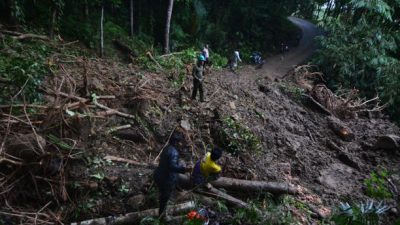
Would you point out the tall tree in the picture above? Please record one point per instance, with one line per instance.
(167, 26)
(15, 13)
(131, 10)
(102, 31)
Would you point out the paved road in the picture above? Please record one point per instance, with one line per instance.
(277, 66)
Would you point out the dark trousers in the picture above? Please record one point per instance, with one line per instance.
(164, 196)
(197, 177)
(164, 193)
(197, 85)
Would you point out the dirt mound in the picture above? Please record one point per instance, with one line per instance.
(97, 108)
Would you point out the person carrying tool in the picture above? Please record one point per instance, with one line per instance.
(207, 168)
(166, 174)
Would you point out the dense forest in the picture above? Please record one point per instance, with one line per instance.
(92, 91)
(359, 48)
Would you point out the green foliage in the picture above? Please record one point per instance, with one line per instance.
(237, 138)
(361, 50)
(362, 214)
(219, 61)
(174, 65)
(376, 185)
(150, 221)
(280, 210)
(293, 91)
(388, 88)
(271, 211)
(221, 207)
(376, 7)
(24, 65)
(84, 208)
(247, 216)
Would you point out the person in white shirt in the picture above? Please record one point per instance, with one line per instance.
(206, 55)
(234, 60)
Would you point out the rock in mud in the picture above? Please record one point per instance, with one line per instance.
(135, 202)
(337, 177)
(340, 129)
(232, 105)
(185, 125)
(388, 142)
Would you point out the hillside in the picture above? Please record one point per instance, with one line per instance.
(273, 133)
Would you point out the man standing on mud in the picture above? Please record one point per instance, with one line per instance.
(198, 77)
(166, 174)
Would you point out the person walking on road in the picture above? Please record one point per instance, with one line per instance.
(234, 60)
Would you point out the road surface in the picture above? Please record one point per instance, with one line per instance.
(277, 66)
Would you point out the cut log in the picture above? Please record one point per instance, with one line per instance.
(388, 142)
(124, 48)
(22, 36)
(254, 186)
(215, 193)
(135, 217)
(340, 129)
(245, 185)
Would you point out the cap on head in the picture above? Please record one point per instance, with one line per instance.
(176, 137)
(201, 58)
(216, 153)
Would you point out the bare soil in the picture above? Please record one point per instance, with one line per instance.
(297, 144)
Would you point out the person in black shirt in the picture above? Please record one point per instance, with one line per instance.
(166, 174)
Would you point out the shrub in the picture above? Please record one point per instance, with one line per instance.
(363, 214)
(24, 65)
(376, 186)
(236, 138)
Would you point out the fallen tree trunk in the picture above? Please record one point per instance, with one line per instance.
(215, 193)
(135, 217)
(21, 36)
(250, 185)
(247, 185)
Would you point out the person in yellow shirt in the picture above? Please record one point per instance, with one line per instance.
(207, 169)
